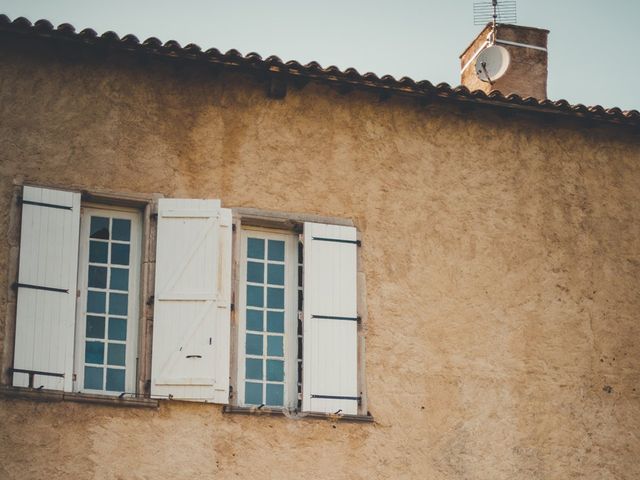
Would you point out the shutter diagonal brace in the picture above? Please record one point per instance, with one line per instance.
(187, 337)
(175, 276)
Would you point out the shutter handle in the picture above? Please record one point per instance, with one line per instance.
(194, 356)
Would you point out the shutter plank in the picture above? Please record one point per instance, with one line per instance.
(330, 382)
(190, 336)
(45, 320)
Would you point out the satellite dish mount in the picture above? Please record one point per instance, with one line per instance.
(493, 60)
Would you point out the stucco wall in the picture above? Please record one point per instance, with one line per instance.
(502, 257)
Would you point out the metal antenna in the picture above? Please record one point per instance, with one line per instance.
(494, 12)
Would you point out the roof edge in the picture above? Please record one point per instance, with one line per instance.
(314, 71)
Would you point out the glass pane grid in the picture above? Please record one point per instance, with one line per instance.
(107, 296)
(264, 347)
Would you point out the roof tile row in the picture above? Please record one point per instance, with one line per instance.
(313, 70)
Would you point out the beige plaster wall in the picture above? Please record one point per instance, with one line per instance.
(502, 257)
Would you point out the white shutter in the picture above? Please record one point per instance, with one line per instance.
(47, 276)
(330, 331)
(191, 326)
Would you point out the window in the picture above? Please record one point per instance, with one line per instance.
(107, 313)
(298, 291)
(78, 295)
(268, 319)
(295, 321)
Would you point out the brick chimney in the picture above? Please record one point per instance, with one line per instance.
(527, 72)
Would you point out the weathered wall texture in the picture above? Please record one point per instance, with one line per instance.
(502, 257)
(528, 68)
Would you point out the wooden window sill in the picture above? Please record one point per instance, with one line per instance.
(57, 396)
(275, 412)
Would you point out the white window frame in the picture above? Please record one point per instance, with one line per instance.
(133, 321)
(291, 312)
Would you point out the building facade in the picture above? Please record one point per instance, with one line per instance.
(480, 321)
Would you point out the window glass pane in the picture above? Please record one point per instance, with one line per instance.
(115, 380)
(119, 279)
(121, 229)
(255, 296)
(254, 344)
(117, 329)
(300, 252)
(255, 248)
(299, 275)
(115, 354)
(118, 303)
(275, 274)
(275, 370)
(99, 228)
(94, 352)
(96, 301)
(120, 254)
(95, 327)
(98, 252)
(98, 277)
(93, 378)
(275, 395)
(274, 346)
(276, 250)
(254, 320)
(275, 297)
(275, 322)
(253, 367)
(255, 272)
(253, 393)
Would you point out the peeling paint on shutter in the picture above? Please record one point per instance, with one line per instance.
(47, 277)
(191, 327)
(330, 330)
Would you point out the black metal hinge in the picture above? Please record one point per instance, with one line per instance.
(33, 373)
(336, 397)
(17, 285)
(330, 317)
(337, 240)
(22, 201)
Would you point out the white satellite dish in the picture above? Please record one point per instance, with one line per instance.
(492, 63)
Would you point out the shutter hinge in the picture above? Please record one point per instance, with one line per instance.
(17, 285)
(22, 201)
(337, 397)
(232, 306)
(151, 300)
(333, 317)
(338, 240)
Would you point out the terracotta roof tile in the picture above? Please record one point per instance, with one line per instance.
(313, 70)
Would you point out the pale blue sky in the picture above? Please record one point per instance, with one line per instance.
(593, 45)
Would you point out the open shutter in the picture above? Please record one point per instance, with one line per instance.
(330, 332)
(47, 276)
(191, 327)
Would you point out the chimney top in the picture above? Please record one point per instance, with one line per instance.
(527, 71)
